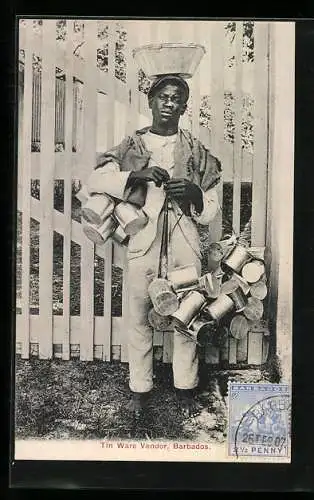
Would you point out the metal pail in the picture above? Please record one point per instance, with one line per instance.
(130, 218)
(202, 330)
(98, 208)
(119, 236)
(164, 300)
(183, 277)
(99, 234)
(237, 258)
(220, 307)
(189, 307)
(239, 299)
(253, 271)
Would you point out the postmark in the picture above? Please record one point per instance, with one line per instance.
(259, 419)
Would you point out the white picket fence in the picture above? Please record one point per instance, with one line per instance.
(50, 114)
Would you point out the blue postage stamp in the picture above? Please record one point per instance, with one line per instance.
(259, 419)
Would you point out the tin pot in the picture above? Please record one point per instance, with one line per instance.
(98, 208)
(202, 330)
(164, 300)
(259, 290)
(183, 277)
(239, 298)
(220, 307)
(189, 307)
(239, 327)
(99, 234)
(254, 309)
(130, 218)
(236, 259)
(119, 236)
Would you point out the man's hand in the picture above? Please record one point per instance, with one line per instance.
(152, 174)
(185, 190)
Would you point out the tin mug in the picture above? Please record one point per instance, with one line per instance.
(210, 285)
(99, 234)
(183, 277)
(164, 300)
(130, 218)
(97, 208)
(202, 330)
(220, 307)
(189, 307)
(239, 299)
(119, 236)
(236, 259)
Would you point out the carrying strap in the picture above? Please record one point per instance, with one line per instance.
(163, 256)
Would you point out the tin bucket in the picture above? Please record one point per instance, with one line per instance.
(130, 218)
(99, 234)
(239, 299)
(259, 290)
(239, 327)
(98, 208)
(202, 330)
(254, 309)
(232, 284)
(159, 322)
(253, 271)
(119, 236)
(210, 285)
(183, 277)
(237, 258)
(220, 307)
(164, 300)
(189, 307)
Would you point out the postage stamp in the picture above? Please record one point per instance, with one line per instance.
(259, 419)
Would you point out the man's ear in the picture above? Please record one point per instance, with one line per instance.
(183, 108)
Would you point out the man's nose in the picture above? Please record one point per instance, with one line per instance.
(169, 103)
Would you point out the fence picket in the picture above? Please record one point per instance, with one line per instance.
(89, 158)
(47, 153)
(110, 127)
(25, 174)
(259, 191)
(237, 161)
(69, 89)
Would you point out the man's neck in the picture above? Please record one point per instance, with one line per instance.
(165, 131)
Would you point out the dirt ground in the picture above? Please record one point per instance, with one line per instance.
(87, 400)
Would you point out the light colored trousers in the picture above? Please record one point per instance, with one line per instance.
(140, 333)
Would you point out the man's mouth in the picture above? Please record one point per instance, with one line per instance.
(166, 113)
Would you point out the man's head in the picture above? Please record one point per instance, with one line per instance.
(167, 99)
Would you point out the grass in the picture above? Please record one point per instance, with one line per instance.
(87, 400)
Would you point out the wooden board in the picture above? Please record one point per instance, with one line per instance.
(47, 153)
(233, 343)
(255, 346)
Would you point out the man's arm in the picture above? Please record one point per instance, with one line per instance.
(210, 207)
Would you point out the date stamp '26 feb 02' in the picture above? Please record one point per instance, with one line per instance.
(259, 419)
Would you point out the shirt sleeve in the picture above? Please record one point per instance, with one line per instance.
(110, 180)
(210, 207)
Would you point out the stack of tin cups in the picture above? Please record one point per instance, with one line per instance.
(102, 218)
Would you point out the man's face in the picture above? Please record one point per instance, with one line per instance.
(168, 104)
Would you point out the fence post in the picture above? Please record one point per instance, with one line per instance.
(47, 166)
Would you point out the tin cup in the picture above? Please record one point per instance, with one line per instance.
(219, 307)
(164, 300)
(119, 236)
(239, 299)
(210, 285)
(183, 277)
(189, 307)
(202, 330)
(253, 271)
(130, 218)
(99, 234)
(236, 259)
(98, 208)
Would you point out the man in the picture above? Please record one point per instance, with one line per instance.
(154, 162)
